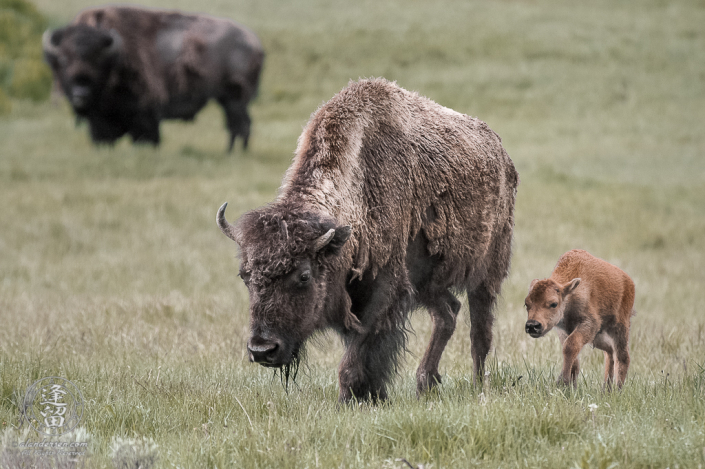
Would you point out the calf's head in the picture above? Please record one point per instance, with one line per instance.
(287, 263)
(545, 304)
(81, 58)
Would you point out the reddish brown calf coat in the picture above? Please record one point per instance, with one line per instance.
(588, 301)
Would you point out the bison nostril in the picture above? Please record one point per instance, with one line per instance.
(262, 352)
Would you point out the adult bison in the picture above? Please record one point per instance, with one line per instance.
(392, 202)
(124, 69)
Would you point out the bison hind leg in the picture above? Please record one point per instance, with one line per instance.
(237, 120)
(481, 302)
(444, 310)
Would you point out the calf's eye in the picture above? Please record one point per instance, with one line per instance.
(553, 305)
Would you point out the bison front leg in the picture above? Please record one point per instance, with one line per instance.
(145, 129)
(352, 379)
(444, 311)
(368, 364)
(105, 131)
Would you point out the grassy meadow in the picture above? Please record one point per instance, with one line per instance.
(114, 275)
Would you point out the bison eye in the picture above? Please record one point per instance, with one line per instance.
(553, 305)
(245, 276)
(305, 277)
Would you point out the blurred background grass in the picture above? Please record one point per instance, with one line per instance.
(112, 269)
(23, 74)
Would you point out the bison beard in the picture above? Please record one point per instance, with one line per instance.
(290, 370)
(392, 202)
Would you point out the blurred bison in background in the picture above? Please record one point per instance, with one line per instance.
(392, 201)
(125, 69)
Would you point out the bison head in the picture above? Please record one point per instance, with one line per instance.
(545, 305)
(288, 264)
(81, 58)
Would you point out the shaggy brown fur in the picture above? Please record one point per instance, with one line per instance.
(417, 200)
(588, 301)
(139, 66)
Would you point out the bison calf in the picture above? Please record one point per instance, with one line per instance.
(588, 301)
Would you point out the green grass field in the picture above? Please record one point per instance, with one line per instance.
(114, 275)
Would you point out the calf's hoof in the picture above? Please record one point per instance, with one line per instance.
(566, 382)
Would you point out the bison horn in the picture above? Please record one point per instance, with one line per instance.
(323, 241)
(47, 45)
(227, 229)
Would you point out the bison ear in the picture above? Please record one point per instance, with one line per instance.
(533, 282)
(342, 234)
(570, 286)
(333, 240)
(56, 37)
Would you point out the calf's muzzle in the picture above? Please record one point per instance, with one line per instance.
(533, 328)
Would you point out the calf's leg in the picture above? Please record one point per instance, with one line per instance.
(444, 311)
(575, 367)
(572, 346)
(609, 369)
(622, 364)
(606, 343)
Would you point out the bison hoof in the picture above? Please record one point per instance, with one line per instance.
(425, 382)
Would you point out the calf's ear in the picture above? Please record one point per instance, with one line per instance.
(533, 282)
(570, 286)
